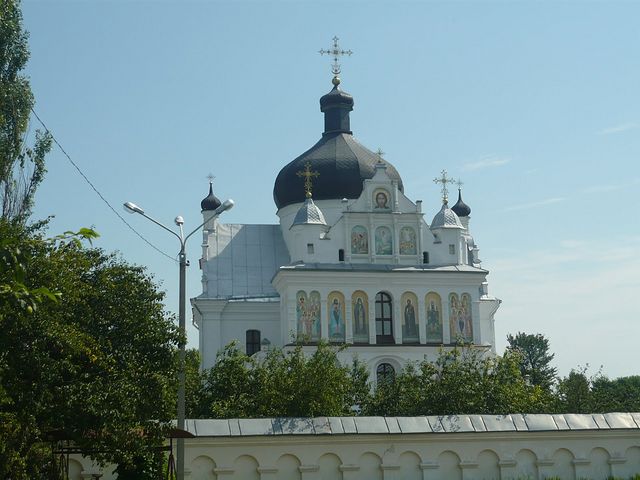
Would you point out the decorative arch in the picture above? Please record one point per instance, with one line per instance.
(527, 463)
(449, 466)
(336, 313)
(329, 464)
(408, 243)
(410, 318)
(202, 468)
(632, 455)
(384, 318)
(359, 240)
(360, 314)
(488, 464)
(370, 469)
(433, 307)
(384, 241)
(246, 467)
(563, 464)
(600, 468)
(409, 463)
(288, 467)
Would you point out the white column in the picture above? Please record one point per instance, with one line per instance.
(397, 318)
(372, 317)
(348, 321)
(422, 320)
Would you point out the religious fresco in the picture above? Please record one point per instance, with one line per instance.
(410, 318)
(384, 241)
(408, 241)
(359, 240)
(308, 316)
(381, 200)
(433, 304)
(336, 309)
(360, 312)
(460, 325)
(466, 314)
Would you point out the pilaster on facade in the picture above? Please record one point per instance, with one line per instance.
(390, 471)
(350, 471)
(224, 473)
(268, 472)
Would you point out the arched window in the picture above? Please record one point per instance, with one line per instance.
(385, 373)
(384, 318)
(253, 342)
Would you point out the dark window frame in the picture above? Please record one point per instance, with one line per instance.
(252, 342)
(384, 318)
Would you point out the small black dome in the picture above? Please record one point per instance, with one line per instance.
(342, 162)
(460, 208)
(210, 202)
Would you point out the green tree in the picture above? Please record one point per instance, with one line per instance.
(97, 366)
(617, 395)
(460, 381)
(535, 358)
(22, 166)
(282, 383)
(573, 393)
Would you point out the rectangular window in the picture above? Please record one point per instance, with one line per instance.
(252, 342)
(425, 257)
(452, 249)
(310, 248)
(341, 255)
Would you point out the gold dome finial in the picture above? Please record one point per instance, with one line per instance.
(308, 175)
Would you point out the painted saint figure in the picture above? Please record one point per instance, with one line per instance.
(359, 320)
(407, 241)
(384, 245)
(359, 240)
(433, 322)
(411, 328)
(381, 201)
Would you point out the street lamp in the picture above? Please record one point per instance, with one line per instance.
(179, 221)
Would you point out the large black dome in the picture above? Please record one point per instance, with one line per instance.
(342, 162)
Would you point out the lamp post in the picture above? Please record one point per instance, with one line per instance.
(182, 257)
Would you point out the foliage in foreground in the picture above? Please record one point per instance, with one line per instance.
(87, 351)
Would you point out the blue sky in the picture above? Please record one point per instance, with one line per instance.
(534, 105)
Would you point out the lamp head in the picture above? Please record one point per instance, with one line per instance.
(179, 220)
(133, 208)
(226, 205)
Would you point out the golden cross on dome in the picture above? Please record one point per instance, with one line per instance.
(211, 176)
(380, 152)
(336, 52)
(459, 183)
(308, 175)
(443, 179)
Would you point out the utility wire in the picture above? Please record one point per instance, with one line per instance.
(97, 191)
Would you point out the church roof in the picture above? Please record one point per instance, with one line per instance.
(341, 161)
(309, 214)
(446, 218)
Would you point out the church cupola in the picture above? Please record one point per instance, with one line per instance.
(446, 218)
(336, 106)
(309, 214)
(461, 208)
(343, 164)
(210, 202)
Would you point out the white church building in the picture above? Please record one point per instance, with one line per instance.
(353, 260)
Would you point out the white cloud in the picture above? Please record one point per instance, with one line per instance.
(605, 188)
(490, 161)
(623, 127)
(527, 206)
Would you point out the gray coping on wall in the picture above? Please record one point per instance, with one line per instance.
(405, 425)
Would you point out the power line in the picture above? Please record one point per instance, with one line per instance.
(97, 191)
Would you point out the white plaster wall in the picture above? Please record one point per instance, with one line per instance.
(469, 456)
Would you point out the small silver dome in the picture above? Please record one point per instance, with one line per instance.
(309, 214)
(446, 218)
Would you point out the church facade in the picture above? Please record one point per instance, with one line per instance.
(353, 260)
